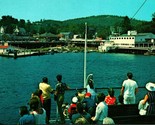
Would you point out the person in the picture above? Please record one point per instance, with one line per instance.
(81, 113)
(129, 89)
(150, 98)
(25, 118)
(47, 90)
(101, 109)
(59, 93)
(110, 99)
(38, 112)
(38, 93)
(80, 95)
(108, 121)
(72, 107)
(90, 89)
(89, 104)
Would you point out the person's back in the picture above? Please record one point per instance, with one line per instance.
(129, 89)
(72, 107)
(26, 118)
(110, 99)
(40, 117)
(89, 104)
(101, 109)
(59, 94)
(90, 89)
(47, 90)
(81, 114)
(38, 112)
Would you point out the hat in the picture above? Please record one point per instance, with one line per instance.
(88, 94)
(150, 86)
(74, 99)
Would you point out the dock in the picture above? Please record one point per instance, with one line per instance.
(24, 54)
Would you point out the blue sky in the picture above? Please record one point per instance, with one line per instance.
(35, 10)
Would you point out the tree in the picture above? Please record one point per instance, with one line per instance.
(153, 17)
(126, 25)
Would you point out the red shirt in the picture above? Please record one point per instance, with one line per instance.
(72, 108)
(110, 100)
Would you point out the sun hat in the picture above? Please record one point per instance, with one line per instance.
(74, 99)
(150, 86)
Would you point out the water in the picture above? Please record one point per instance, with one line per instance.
(21, 76)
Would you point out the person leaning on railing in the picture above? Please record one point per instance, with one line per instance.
(129, 89)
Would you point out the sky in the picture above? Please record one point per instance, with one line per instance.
(35, 10)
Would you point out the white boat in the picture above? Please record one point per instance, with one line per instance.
(106, 46)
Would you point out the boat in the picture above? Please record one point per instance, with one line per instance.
(107, 46)
(121, 114)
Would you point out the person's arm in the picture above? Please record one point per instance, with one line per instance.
(145, 99)
(136, 90)
(122, 90)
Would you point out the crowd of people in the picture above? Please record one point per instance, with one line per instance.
(86, 107)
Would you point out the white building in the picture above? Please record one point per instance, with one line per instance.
(132, 38)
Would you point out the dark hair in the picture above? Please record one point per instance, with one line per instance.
(23, 110)
(34, 103)
(59, 77)
(111, 92)
(130, 75)
(90, 82)
(38, 92)
(100, 97)
(45, 79)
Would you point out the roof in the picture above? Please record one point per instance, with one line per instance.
(48, 35)
(3, 47)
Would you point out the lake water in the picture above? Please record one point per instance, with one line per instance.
(20, 77)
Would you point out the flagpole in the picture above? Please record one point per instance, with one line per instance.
(85, 51)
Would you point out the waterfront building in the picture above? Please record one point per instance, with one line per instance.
(131, 39)
(66, 35)
(4, 47)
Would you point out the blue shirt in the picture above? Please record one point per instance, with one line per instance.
(26, 119)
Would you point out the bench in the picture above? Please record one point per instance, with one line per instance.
(129, 114)
(123, 110)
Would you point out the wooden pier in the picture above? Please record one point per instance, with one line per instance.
(22, 54)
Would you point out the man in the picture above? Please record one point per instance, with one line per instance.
(101, 109)
(60, 91)
(81, 113)
(129, 89)
(46, 93)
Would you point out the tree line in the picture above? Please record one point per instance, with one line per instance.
(98, 26)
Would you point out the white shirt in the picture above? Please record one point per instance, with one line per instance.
(101, 111)
(92, 91)
(40, 118)
(129, 87)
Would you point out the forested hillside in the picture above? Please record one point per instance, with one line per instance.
(98, 26)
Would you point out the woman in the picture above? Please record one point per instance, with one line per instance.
(150, 98)
(38, 112)
(110, 99)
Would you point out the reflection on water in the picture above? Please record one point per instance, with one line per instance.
(21, 76)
